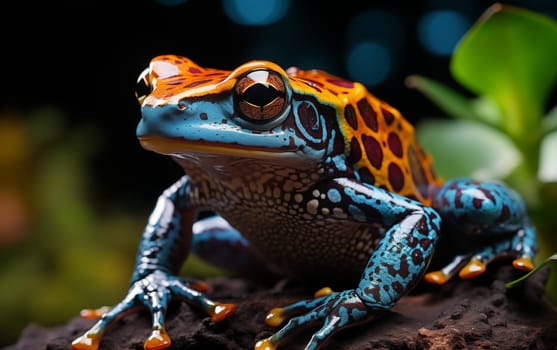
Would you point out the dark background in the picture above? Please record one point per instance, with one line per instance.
(83, 57)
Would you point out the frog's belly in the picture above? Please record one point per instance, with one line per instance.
(324, 251)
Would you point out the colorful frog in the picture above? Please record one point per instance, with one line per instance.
(313, 175)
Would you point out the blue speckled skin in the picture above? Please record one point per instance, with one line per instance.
(288, 193)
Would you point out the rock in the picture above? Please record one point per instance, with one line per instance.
(471, 314)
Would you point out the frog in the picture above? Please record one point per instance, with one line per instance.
(309, 176)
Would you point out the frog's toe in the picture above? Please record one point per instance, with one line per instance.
(154, 292)
(524, 263)
(333, 311)
(436, 277)
(449, 271)
(467, 266)
(475, 267)
(197, 285)
(323, 292)
(217, 311)
(90, 314)
(90, 340)
(158, 339)
(264, 344)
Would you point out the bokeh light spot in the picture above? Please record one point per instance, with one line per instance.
(368, 62)
(255, 12)
(439, 31)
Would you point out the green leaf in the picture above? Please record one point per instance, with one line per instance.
(510, 55)
(548, 166)
(481, 109)
(549, 123)
(449, 100)
(552, 258)
(467, 148)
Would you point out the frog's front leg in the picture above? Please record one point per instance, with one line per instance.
(396, 265)
(164, 245)
(484, 210)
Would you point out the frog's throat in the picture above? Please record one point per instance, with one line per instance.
(179, 147)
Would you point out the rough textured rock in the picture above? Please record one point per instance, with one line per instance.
(472, 314)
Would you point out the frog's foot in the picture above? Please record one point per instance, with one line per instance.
(333, 311)
(153, 292)
(470, 266)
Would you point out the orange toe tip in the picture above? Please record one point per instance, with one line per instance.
(436, 277)
(524, 264)
(264, 344)
(86, 342)
(473, 269)
(222, 311)
(199, 286)
(158, 340)
(323, 292)
(90, 314)
(275, 317)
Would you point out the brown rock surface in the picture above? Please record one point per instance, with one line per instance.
(472, 314)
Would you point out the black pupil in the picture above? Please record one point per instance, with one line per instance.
(260, 94)
(142, 88)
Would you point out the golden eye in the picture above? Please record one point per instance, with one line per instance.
(260, 96)
(143, 86)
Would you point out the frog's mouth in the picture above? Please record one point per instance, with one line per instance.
(181, 147)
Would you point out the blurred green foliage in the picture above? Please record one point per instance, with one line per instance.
(508, 60)
(58, 253)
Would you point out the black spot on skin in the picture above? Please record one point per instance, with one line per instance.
(425, 243)
(487, 194)
(368, 114)
(366, 176)
(477, 202)
(355, 150)
(389, 117)
(505, 213)
(403, 271)
(350, 116)
(396, 177)
(398, 287)
(412, 242)
(203, 116)
(373, 291)
(373, 151)
(417, 257)
(458, 198)
(394, 144)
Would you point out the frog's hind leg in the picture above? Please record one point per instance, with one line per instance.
(216, 242)
(480, 209)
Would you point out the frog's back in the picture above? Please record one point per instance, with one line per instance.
(380, 143)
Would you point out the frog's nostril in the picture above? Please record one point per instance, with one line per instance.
(182, 106)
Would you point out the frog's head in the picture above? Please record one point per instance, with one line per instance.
(257, 110)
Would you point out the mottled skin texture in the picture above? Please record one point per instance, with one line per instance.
(311, 176)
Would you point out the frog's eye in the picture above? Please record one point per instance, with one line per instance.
(260, 96)
(143, 86)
